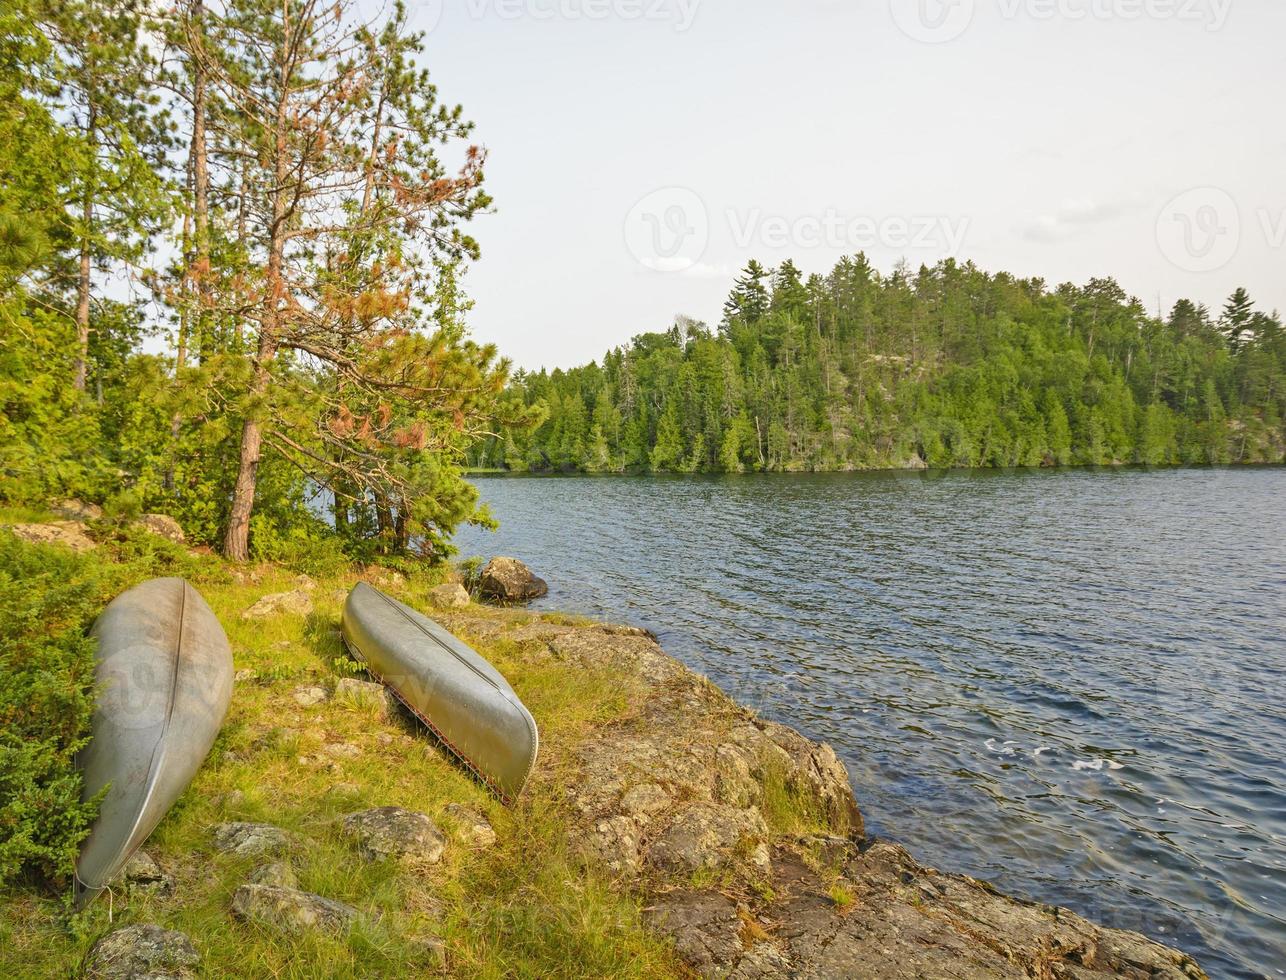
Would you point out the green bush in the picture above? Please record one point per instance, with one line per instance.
(48, 596)
(307, 546)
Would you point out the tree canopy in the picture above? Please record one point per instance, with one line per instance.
(947, 366)
(232, 246)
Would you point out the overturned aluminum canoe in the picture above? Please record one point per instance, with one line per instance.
(458, 695)
(164, 678)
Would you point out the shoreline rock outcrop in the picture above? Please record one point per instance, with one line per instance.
(747, 848)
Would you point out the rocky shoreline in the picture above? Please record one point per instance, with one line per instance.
(747, 845)
(739, 838)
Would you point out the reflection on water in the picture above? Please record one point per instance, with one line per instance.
(1068, 683)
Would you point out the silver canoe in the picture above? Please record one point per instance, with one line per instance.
(455, 692)
(164, 678)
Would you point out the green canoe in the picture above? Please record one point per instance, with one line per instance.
(455, 692)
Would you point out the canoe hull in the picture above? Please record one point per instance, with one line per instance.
(464, 700)
(164, 678)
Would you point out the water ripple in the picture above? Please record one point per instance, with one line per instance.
(1070, 684)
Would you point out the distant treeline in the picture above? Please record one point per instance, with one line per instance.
(945, 367)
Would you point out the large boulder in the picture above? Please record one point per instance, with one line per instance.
(290, 910)
(509, 580)
(297, 603)
(144, 952)
(392, 832)
(166, 527)
(69, 533)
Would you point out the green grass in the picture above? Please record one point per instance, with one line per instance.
(787, 808)
(527, 907)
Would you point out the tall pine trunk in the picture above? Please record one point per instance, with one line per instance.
(201, 193)
(236, 542)
(86, 266)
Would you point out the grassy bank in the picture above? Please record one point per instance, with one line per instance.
(528, 906)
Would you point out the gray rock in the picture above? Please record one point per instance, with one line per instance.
(431, 950)
(296, 603)
(644, 801)
(705, 927)
(251, 839)
(69, 533)
(143, 952)
(711, 836)
(390, 832)
(142, 873)
(305, 583)
(290, 910)
(278, 874)
(306, 695)
(474, 828)
(166, 527)
(342, 750)
(366, 695)
(509, 580)
(617, 843)
(75, 509)
(452, 595)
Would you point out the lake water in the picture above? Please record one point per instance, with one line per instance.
(1072, 684)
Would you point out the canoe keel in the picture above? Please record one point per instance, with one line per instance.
(164, 676)
(461, 698)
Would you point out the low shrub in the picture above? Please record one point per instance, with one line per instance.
(48, 596)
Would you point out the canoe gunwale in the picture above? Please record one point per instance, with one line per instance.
(505, 798)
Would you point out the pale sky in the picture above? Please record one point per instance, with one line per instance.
(641, 151)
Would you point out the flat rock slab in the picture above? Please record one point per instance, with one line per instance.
(290, 910)
(69, 533)
(143, 952)
(392, 832)
(251, 839)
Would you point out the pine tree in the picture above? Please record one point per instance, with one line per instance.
(749, 300)
(357, 214)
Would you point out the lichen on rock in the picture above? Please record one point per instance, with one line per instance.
(391, 832)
